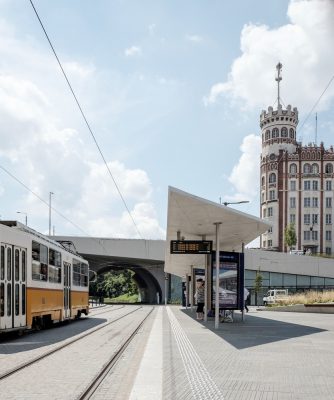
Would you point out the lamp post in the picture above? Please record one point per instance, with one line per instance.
(26, 215)
(50, 195)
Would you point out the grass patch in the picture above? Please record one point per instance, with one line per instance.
(124, 298)
(311, 297)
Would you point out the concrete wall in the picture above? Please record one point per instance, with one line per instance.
(272, 261)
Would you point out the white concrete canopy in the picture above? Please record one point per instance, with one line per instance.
(194, 217)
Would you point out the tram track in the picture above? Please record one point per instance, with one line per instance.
(108, 366)
(68, 343)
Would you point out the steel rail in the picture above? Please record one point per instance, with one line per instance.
(96, 382)
(50, 352)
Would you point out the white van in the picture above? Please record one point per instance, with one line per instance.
(297, 252)
(274, 296)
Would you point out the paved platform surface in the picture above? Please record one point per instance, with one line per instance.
(269, 356)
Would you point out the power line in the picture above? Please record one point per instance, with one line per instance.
(316, 103)
(85, 119)
(53, 209)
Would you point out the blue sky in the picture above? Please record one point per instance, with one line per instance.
(173, 91)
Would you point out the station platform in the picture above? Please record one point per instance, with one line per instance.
(269, 355)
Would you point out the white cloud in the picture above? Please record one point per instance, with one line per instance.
(302, 46)
(133, 51)
(44, 145)
(245, 175)
(194, 38)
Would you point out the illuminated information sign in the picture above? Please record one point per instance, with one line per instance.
(190, 246)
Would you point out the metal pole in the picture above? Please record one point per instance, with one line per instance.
(242, 289)
(50, 194)
(217, 275)
(187, 290)
(191, 291)
(166, 289)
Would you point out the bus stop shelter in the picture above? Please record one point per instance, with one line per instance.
(194, 218)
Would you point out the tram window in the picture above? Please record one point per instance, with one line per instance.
(54, 266)
(2, 263)
(17, 299)
(80, 273)
(39, 262)
(9, 263)
(2, 299)
(17, 265)
(23, 299)
(76, 272)
(23, 266)
(9, 299)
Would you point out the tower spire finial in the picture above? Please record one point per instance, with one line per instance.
(278, 79)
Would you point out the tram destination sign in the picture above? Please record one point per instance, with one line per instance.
(190, 246)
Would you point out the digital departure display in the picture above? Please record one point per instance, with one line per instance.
(191, 246)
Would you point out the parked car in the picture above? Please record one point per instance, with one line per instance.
(275, 296)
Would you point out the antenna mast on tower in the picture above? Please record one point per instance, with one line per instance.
(278, 79)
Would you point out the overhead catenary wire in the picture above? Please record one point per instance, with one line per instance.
(316, 103)
(52, 208)
(85, 119)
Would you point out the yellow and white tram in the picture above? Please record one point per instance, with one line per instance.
(40, 281)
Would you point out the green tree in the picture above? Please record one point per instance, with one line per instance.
(290, 235)
(257, 284)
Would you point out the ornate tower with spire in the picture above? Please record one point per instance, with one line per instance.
(297, 183)
(278, 129)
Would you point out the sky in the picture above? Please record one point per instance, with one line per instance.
(173, 92)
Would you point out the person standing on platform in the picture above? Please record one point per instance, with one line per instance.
(199, 295)
(246, 295)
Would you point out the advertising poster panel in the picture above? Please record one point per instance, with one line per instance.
(230, 280)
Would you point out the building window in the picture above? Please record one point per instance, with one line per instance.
(292, 185)
(262, 197)
(284, 132)
(292, 218)
(307, 169)
(270, 230)
(314, 235)
(328, 251)
(315, 168)
(328, 185)
(315, 202)
(264, 212)
(270, 243)
(262, 181)
(328, 235)
(267, 134)
(315, 185)
(292, 202)
(275, 133)
(314, 219)
(292, 133)
(328, 219)
(307, 185)
(307, 202)
(271, 194)
(272, 178)
(293, 169)
(270, 211)
(307, 219)
(329, 168)
(328, 202)
(307, 235)
(264, 243)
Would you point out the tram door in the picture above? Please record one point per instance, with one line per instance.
(13, 266)
(67, 290)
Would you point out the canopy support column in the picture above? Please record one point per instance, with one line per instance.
(217, 274)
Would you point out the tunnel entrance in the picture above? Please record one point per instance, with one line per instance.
(145, 284)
